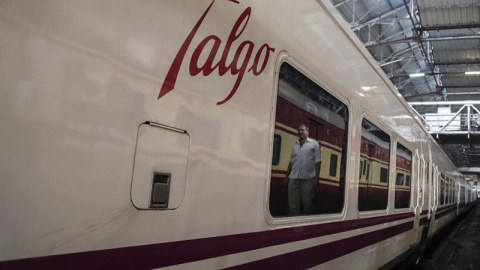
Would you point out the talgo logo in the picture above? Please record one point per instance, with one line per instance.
(238, 67)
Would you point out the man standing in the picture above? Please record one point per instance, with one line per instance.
(302, 173)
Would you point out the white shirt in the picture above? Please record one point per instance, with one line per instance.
(304, 158)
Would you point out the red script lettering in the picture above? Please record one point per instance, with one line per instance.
(238, 67)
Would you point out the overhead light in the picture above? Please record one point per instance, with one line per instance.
(472, 73)
(416, 75)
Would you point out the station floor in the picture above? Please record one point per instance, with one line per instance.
(458, 249)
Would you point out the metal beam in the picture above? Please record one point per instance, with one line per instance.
(457, 74)
(419, 39)
(469, 169)
(462, 93)
(450, 38)
(423, 94)
(404, 51)
(418, 35)
(421, 103)
(459, 86)
(456, 63)
(341, 3)
(452, 6)
(449, 27)
(356, 27)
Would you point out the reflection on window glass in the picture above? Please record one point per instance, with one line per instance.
(399, 181)
(277, 143)
(333, 165)
(368, 171)
(384, 175)
(375, 150)
(360, 171)
(304, 105)
(404, 168)
(442, 189)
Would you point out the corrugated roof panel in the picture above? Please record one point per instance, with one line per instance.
(454, 32)
(456, 44)
(456, 55)
(463, 97)
(459, 68)
(461, 80)
(449, 12)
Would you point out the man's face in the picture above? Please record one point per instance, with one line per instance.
(302, 132)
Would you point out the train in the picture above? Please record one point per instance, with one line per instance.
(157, 133)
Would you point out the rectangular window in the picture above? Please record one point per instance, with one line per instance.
(375, 146)
(447, 191)
(442, 189)
(333, 165)
(277, 143)
(399, 181)
(404, 165)
(360, 171)
(368, 171)
(302, 102)
(384, 175)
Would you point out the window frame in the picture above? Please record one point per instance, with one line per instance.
(284, 57)
(375, 171)
(407, 179)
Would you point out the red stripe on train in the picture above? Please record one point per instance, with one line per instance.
(173, 253)
(310, 257)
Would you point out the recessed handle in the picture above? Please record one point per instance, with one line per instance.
(160, 190)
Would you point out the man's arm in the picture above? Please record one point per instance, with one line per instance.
(317, 169)
(318, 163)
(285, 181)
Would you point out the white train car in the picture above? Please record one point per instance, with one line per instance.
(151, 134)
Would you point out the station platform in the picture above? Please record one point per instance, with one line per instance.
(457, 249)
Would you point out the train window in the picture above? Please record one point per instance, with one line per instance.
(452, 183)
(427, 168)
(375, 147)
(453, 191)
(333, 165)
(404, 167)
(442, 189)
(384, 175)
(277, 143)
(399, 181)
(447, 190)
(368, 171)
(302, 101)
(364, 167)
(360, 171)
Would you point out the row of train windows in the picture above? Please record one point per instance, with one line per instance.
(365, 171)
(447, 190)
(302, 102)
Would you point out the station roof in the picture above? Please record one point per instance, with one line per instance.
(439, 41)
